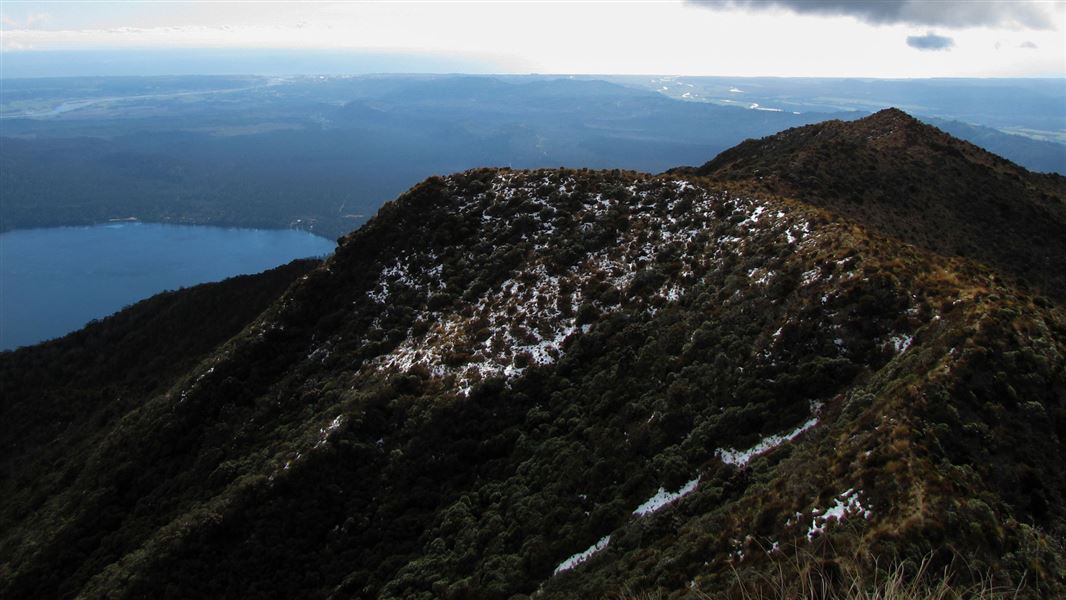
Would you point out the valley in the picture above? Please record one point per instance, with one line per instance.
(323, 153)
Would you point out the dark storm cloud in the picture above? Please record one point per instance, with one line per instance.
(930, 41)
(946, 13)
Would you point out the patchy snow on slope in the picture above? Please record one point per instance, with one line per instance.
(900, 342)
(400, 273)
(764, 276)
(663, 498)
(525, 319)
(810, 276)
(740, 458)
(581, 557)
(324, 433)
(797, 232)
(845, 505)
(755, 215)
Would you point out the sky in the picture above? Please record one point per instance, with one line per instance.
(809, 38)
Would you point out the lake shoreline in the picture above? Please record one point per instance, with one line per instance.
(4, 229)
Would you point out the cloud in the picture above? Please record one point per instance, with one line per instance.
(7, 45)
(29, 22)
(930, 41)
(1018, 14)
(33, 19)
(1029, 45)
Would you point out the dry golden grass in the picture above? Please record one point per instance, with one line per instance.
(900, 583)
(803, 580)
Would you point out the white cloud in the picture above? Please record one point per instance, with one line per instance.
(35, 19)
(557, 37)
(30, 20)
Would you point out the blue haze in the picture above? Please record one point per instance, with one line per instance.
(123, 63)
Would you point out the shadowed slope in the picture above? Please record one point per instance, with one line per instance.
(914, 182)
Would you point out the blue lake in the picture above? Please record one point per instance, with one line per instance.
(54, 281)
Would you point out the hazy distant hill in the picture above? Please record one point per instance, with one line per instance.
(1031, 104)
(569, 383)
(1035, 155)
(325, 153)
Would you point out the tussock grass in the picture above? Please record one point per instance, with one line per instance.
(902, 582)
(802, 579)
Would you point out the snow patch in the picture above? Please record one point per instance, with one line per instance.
(810, 277)
(581, 557)
(324, 433)
(740, 458)
(844, 505)
(663, 498)
(901, 342)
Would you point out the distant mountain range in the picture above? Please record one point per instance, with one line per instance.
(324, 153)
(830, 351)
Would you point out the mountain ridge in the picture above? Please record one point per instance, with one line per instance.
(562, 383)
(966, 208)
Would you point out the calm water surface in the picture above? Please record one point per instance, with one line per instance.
(53, 281)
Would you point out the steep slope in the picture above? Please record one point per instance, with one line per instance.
(892, 173)
(55, 395)
(565, 383)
